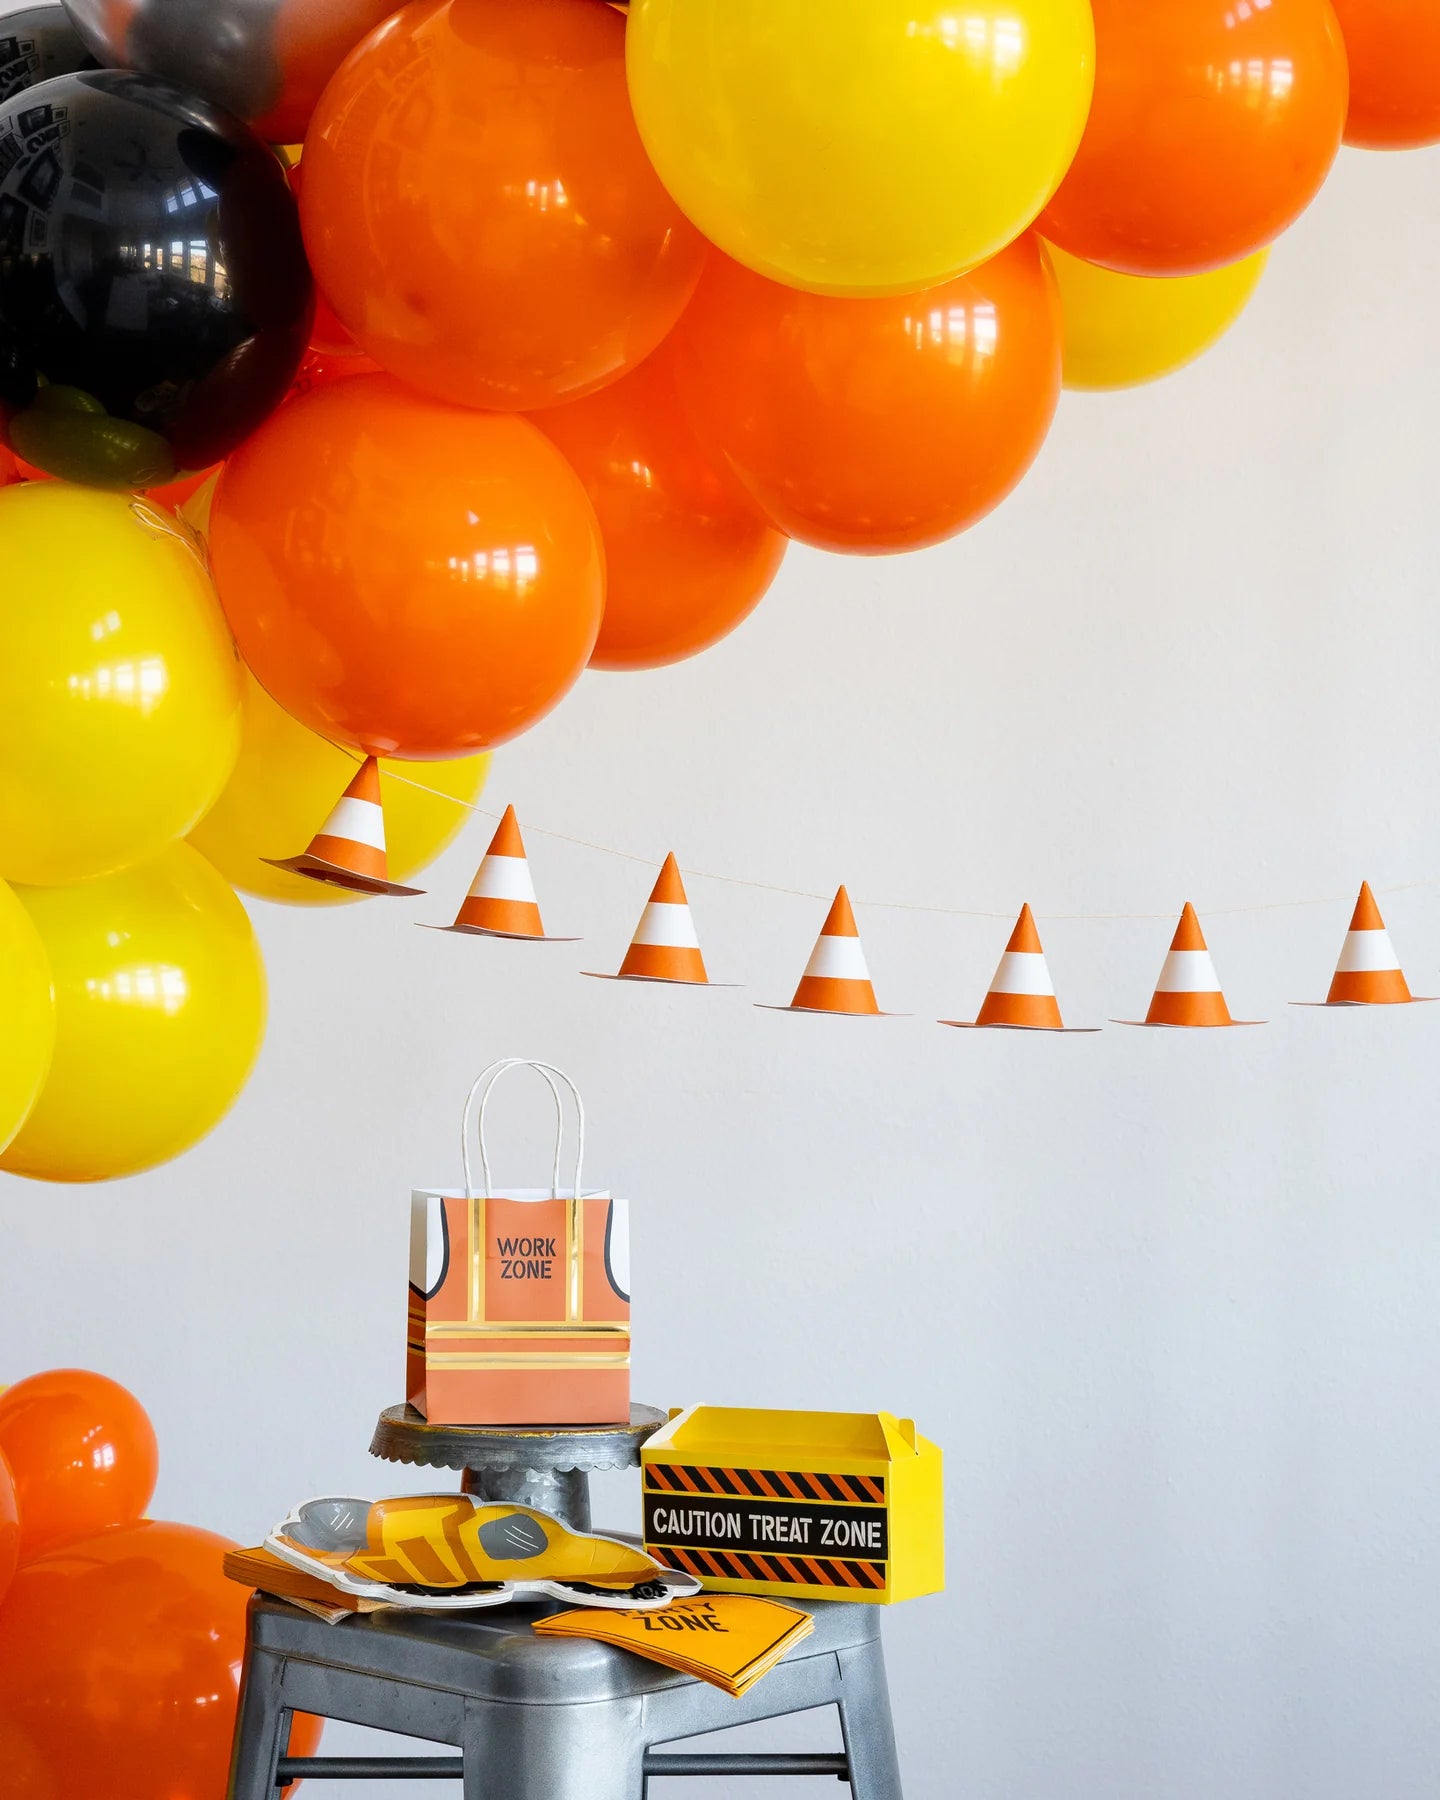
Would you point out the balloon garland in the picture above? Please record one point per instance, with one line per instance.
(121, 1639)
(535, 353)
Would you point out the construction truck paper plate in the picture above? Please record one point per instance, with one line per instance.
(837, 977)
(501, 902)
(450, 1551)
(665, 947)
(1022, 995)
(1188, 993)
(1368, 972)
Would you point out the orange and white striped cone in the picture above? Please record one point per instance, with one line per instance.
(501, 901)
(348, 851)
(1188, 992)
(1022, 995)
(1368, 972)
(836, 978)
(665, 946)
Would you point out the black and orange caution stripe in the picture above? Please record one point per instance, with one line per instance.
(749, 1565)
(765, 1484)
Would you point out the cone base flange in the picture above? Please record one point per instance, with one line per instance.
(313, 868)
(1054, 1030)
(1161, 1025)
(827, 1012)
(658, 980)
(513, 937)
(1360, 1005)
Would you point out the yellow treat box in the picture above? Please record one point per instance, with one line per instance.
(833, 1506)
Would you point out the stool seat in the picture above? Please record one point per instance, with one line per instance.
(541, 1718)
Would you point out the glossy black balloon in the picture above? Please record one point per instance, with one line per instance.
(155, 300)
(35, 45)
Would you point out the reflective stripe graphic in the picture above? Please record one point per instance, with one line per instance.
(1366, 951)
(665, 924)
(1022, 972)
(1188, 972)
(838, 959)
(503, 878)
(359, 820)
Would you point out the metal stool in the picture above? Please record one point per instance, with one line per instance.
(537, 1718)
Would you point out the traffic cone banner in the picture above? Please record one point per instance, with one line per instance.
(665, 946)
(1368, 972)
(1188, 992)
(836, 978)
(348, 851)
(1022, 995)
(501, 900)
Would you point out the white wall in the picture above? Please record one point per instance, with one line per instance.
(1168, 1301)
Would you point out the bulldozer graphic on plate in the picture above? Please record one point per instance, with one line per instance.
(452, 1551)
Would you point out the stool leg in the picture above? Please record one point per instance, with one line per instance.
(591, 1751)
(262, 1729)
(866, 1724)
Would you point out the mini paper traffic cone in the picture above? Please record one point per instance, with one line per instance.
(1022, 995)
(836, 978)
(1188, 992)
(665, 946)
(1368, 972)
(348, 851)
(501, 901)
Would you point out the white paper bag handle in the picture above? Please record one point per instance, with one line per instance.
(482, 1088)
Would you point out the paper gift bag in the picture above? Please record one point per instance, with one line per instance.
(519, 1297)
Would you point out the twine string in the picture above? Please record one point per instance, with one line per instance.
(913, 906)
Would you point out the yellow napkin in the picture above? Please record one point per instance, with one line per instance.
(729, 1640)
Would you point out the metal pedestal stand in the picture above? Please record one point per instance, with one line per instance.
(544, 1466)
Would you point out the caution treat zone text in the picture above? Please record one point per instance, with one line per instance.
(810, 1530)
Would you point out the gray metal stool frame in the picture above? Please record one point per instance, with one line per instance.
(537, 1718)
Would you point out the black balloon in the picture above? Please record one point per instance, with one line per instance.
(35, 45)
(155, 301)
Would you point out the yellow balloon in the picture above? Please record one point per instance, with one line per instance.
(119, 683)
(27, 1008)
(1124, 329)
(285, 783)
(861, 146)
(160, 1009)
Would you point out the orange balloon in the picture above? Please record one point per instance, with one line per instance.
(9, 1529)
(875, 424)
(82, 1454)
(120, 1664)
(478, 207)
(1393, 47)
(1212, 127)
(408, 578)
(687, 553)
(9, 468)
(320, 367)
(328, 337)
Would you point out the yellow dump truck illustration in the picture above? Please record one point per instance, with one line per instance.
(447, 1550)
